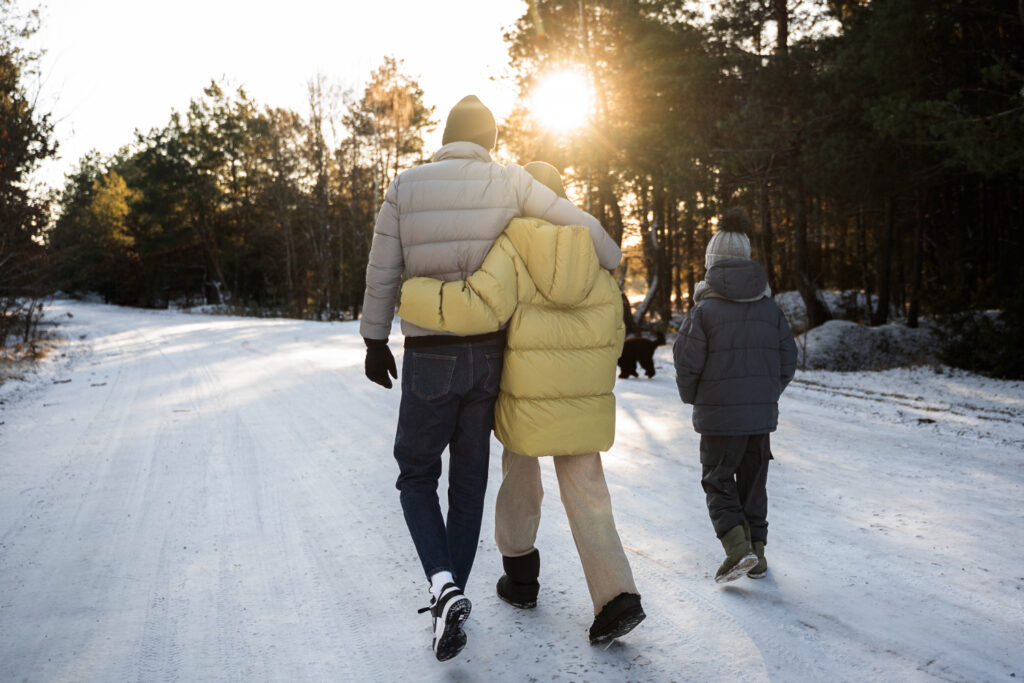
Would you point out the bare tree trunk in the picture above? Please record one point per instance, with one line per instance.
(641, 310)
(767, 238)
(607, 200)
(662, 224)
(33, 311)
(652, 247)
(289, 257)
(678, 259)
(211, 256)
(884, 268)
(781, 12)
(862, 257)
(915, 292)
(610, 204)
(627, 317)
(817, 313)
(689, 258)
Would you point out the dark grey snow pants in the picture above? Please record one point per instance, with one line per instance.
(735, 474)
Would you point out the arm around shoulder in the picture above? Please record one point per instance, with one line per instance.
(481, 303)
(609, 255)
(539, 201)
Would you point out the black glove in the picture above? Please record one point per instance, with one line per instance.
(379, 362)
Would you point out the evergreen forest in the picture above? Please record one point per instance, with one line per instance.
(878, 146)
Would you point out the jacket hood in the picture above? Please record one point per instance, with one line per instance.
(738, 279)
(462, 150)
(560, 258)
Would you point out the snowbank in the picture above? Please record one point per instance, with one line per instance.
(849, 304)
(845, 345)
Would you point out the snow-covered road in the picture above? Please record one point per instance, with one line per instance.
(199, 498)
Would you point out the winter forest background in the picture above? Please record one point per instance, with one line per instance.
(200, 493)
(877, 144)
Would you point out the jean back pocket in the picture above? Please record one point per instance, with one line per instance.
(431, 375)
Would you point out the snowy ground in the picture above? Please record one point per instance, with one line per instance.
(198, 498)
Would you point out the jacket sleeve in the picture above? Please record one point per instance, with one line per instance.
(689, 355)
(481, 303)
(787, 352)
(384, 270)
(538, 201)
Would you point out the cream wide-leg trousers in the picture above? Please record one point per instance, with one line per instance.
(588, 507)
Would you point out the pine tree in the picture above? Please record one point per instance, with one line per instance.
(26, 139)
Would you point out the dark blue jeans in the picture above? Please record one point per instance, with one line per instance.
(448, 395)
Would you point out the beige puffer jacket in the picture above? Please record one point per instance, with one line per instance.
(440, 219)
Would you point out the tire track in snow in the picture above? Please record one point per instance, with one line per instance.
(259, 415)
(158, 657)
(1007, 415)
(332, 594)
(167, 506)
(78, 531)
(344, 504)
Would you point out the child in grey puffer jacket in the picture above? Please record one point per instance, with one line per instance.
(734, 356)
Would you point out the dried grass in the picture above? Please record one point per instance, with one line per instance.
(18, 360)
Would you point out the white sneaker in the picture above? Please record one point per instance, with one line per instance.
(450, 612)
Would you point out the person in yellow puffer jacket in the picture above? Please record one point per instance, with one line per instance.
(565, 333)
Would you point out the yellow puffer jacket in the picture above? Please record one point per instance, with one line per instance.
(565, 332)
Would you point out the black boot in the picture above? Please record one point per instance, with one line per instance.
(518, 586)
(617, 618)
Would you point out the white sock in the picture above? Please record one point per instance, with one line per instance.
(437, 582)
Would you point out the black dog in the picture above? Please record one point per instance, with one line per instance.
(638, 350)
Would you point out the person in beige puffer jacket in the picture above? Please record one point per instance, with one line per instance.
(439, 220)
(565, 333)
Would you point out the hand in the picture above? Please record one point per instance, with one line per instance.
(379, 362)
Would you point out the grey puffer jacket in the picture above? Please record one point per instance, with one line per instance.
(735, 353)
(440, 219)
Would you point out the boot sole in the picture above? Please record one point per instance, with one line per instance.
(453, 639)
(520, 604)
(757, 575)
(627, 624)
(745, 564)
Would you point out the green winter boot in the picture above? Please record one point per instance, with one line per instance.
(739, 556)
(760, 569)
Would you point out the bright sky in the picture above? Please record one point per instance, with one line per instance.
(113, 66)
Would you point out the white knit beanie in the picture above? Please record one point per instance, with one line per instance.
(730, 239)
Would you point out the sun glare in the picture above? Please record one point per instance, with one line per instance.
(562, 101)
